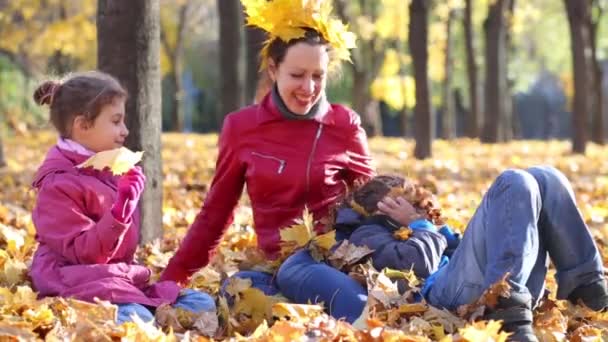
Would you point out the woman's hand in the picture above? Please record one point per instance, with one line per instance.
(399, 209)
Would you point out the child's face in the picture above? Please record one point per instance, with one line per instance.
(107, 132)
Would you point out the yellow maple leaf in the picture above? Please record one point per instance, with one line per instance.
(296, 312)
(326, 241)
(119, 160)
(403, 233)
(482, 331)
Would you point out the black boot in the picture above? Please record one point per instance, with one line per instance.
(594, 295)
(516, 315)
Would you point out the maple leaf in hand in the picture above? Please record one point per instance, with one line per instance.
(119, 160)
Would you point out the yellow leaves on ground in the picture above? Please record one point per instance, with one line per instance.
(481, 331)
(459, 174)
(296, 312)
(119, 160)
(302, 234)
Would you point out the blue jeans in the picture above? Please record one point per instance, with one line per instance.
(525, 218)
(191, 300)
(260, 280)
(304, 280)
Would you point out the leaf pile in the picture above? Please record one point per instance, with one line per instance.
(460, 173)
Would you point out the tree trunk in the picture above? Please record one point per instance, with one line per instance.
(578, 13)
(2, 160)
(128, 38)
(597, 75)
(448, 119)
(472, 120)
(505, 129)
(231, 94)
(254, 38)
(176, 54)
(495, 85)
(418, 43)
(367, 60)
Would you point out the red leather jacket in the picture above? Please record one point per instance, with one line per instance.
(287, 165)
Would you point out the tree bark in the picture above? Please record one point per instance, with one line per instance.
(418, 43)
(176, 55)
(2, 160)
(472, 120)
(128, 38)
(231, 93)
(367, 60)
(578, 14)
(254, 38)
(448, 119)
(597, 94)
(495, 84)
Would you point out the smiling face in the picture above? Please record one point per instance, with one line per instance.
(301, 76)
(108, 131)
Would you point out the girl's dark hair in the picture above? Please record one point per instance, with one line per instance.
(79, 94)
(372, 192)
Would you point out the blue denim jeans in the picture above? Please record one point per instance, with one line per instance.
(304, 280)
(260, 280)
(191, 300)
(526, 218)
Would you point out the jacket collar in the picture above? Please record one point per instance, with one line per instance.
(267, 111)
(63, 161)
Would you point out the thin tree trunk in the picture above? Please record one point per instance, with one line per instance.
(597, 94)
(176, 55)
(448, 122)
(418, 43)
(2, 160)
(367, 60)
(472, 120)
(231, 93)
(254, 38)
(495, 86)
(506, 126)
(122, 26)
(578, 13)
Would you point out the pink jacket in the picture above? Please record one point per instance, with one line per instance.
(84, 252)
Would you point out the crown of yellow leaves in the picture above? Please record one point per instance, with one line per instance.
(289, 19)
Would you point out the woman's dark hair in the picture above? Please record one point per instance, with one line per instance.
(278, 48)
(79, 94)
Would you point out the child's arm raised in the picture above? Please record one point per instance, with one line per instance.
(63, 226)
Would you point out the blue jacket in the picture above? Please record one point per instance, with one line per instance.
(423, 251)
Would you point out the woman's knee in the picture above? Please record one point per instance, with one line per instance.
(195, 301)
(549, 177)
(518, 181)
(296, 264)
(126, 312)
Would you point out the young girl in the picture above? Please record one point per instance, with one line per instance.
(87, 221)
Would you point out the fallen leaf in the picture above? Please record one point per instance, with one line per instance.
(119, 160)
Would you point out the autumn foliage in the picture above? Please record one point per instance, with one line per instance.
(460, 173)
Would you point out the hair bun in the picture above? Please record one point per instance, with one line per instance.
(45, 93)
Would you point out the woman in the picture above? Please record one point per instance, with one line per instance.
(293, 150)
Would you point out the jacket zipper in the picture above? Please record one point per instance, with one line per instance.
(281, 161)
(308, 165)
